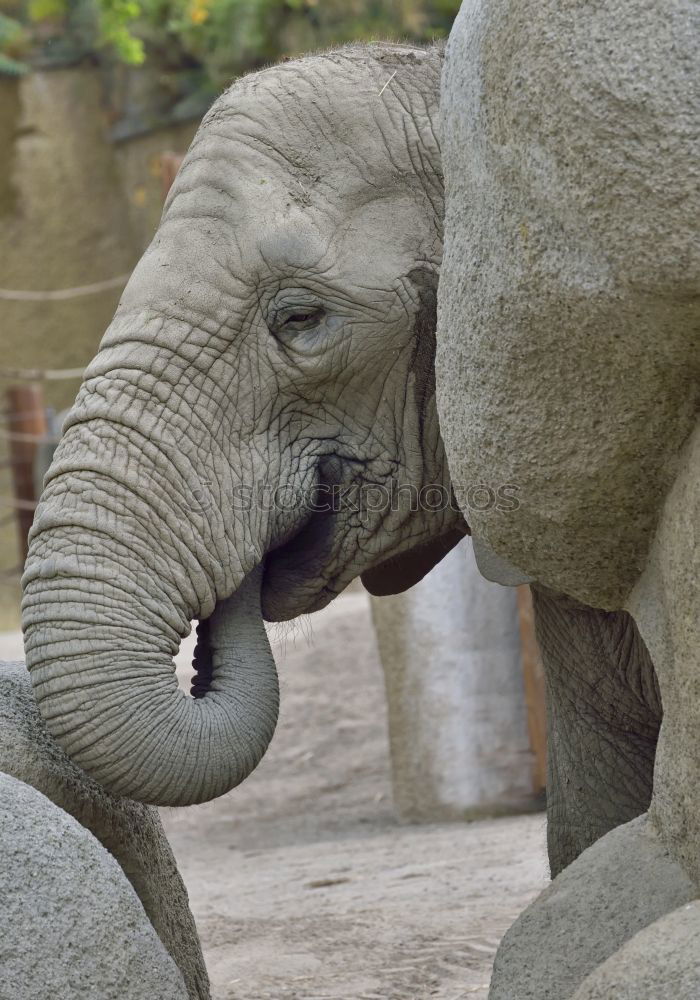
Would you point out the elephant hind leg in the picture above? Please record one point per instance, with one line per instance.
(603, 719)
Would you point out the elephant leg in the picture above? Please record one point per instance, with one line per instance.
(603, 719)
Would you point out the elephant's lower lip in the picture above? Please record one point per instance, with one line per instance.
(294, 583)
(285, 596)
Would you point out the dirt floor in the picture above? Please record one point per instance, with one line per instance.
(302, 882)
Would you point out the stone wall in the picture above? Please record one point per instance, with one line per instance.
(75, 209)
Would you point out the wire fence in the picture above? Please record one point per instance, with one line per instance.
(29, 430)
(29, 433)
(40, 374)
(62, 294)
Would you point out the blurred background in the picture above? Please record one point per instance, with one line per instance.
(99, 99)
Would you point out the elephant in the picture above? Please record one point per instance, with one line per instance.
(64, 893)
(567, 362)
(252, 351)
(59, 795)
(260, 426)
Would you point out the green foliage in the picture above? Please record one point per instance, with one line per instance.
(47, 32)
(111, 21)
(228, 37)
(46, 10)
(115, 20)
(201, 45)
(13, 43)
(231, 36)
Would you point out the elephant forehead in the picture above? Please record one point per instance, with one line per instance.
(312, 100)
(277, 197)
(377, 227)
(315, 120)
(295, 242)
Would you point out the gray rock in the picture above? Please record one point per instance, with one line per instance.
(568, 366)
(130, 831)
(567, 351)
(666, 605)
(71, 926)
(620, 885)
(662, 962)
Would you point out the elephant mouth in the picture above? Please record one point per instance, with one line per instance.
(317, 560)
(296, 579)
(312, 564)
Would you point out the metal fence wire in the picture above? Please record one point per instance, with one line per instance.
(29, 429)
(29, 433)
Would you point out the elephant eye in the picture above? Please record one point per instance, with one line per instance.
(300, 319)
(289, 321)
(297, 317)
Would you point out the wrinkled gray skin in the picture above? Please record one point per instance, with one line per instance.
(130, 831)
(603, 719)
(280, 330)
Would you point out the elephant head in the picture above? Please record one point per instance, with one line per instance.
(269, 366)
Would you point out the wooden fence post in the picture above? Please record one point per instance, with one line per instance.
(533, 676)
(169, 166)
(27, 426)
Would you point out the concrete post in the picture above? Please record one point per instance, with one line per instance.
(450, 649)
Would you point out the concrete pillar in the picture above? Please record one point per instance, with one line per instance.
(450, 649)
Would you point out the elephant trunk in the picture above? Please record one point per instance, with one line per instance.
(109, 590)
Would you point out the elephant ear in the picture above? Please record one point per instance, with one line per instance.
(402, 571)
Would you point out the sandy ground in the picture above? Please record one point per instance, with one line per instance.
(302, 882)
